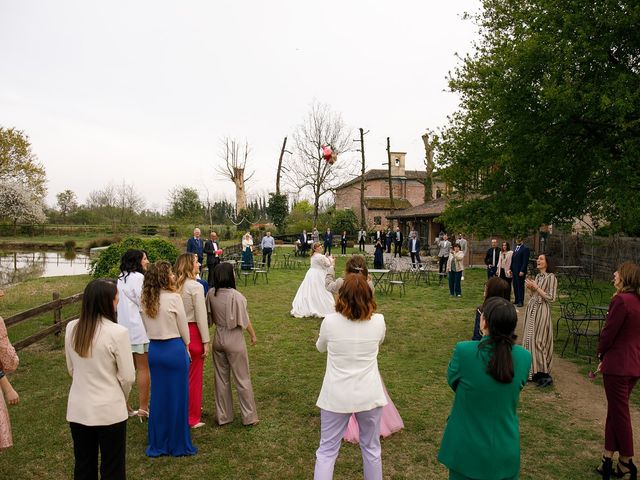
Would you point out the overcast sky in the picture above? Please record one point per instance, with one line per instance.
(143, 90)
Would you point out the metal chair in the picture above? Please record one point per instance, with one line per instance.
(578, 318)
(260, 268)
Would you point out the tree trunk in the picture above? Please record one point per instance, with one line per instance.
(241, 195)
(428, 161)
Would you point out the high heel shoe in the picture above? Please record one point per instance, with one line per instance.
(632, 470)
(606, 468)
(143, 415)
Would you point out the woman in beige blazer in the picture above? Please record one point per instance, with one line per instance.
(503, 268)
(166, 324)
(99, 359)
(192, 293)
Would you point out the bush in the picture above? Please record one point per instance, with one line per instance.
(69, 244)
(108, 264)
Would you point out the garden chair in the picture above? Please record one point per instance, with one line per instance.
(581, 322)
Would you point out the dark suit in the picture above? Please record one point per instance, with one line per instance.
(491, 261)
(397, 244)
(485, 443)
(210, 248)
(328, 240)
(196, 245)
(304, 246)
(619, 349)
(519, 264)
(414, 251)
(343, 244)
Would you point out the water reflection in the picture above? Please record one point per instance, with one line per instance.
(19, 266)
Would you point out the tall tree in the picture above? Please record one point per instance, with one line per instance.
(19, 164)
(549, 121)
(67, 202)
(307, 170)
(235, 163)
(429, 148)
(185, 204)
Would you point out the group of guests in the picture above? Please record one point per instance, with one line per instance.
(161, 331)
(306, 241)
(510, 265)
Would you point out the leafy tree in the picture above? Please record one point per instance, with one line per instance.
(19, 164)
(307, 170)
(549, 122)
(300, 218)
(278, 210)
(108, 263)
(18, 205)
(185, 204)
(344, 220)
(67, 202)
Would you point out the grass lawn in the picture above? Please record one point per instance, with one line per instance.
(287, 372)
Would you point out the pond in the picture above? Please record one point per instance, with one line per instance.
(17, 266)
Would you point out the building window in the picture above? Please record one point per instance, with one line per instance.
(377, 220)
(438, 193)
(397, 162)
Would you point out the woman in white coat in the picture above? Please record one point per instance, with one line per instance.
(132, 267)
(99, 360)
(352, 383)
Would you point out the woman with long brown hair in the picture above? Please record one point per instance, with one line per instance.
(166, 323)
(619, 354)
(99, 359)
(352, 384)
(192, 293)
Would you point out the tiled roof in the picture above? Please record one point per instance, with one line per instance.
(384, 203)
(381, 174)
(432, 208)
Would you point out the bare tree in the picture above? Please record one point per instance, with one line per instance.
(235, 163)
(428, 162)
(308, 170)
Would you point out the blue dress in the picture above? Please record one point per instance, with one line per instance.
(378, 257)
(247, 259)
(168, 432)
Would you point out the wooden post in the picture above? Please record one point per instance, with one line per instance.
(282, 151)
(57, 313)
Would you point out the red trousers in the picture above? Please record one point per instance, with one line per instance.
(196, 349)
(618, 434)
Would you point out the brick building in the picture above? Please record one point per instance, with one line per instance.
(408, 191)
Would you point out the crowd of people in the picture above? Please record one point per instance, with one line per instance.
(150, 328)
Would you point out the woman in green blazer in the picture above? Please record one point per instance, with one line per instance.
(481, 440)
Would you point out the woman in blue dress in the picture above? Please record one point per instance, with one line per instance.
(166, 323)
(378, 256)
(247, 254)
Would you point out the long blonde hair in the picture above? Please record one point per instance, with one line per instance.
(184, 269)
(158, 277)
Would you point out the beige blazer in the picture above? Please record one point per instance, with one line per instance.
(101, 382)
(459, 259)
(504, 263)
(195, 307)
(170, 322)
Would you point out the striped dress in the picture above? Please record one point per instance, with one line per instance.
(538, 327)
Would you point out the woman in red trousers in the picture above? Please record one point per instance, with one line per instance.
(619, 354)
(192, 293)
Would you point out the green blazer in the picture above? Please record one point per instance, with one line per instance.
(482, 436)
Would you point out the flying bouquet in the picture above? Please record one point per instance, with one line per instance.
(328, 154)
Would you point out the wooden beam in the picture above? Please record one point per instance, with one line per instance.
(43, 333)
(47, 307)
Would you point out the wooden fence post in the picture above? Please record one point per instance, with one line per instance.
(57, 313)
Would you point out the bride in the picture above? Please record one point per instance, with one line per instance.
(312, 298)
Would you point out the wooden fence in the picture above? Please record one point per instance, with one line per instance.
(54, 306)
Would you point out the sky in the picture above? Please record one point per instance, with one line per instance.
(143, 91)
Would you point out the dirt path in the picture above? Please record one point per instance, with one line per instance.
(578, 394)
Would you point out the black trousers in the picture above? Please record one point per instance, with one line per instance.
(415, 258)
(343, 249)
(443, 264)
(397, 249)
(361, 244)
(327, 248)
(110, 440)
(211, 267)
(266, 256)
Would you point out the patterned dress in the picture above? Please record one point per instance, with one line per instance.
(538, 327)
(8, 363)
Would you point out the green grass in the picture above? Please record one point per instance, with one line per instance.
(287, 372)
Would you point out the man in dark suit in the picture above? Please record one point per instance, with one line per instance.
(397, 243)
(328, 240)
(491, 258)
(304, 242)
(196, 245)
(414, 249)
(213, 259)
(519, 265)
(389, 239)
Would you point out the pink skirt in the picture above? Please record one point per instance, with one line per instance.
(390, 422)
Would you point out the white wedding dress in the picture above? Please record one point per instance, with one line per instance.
(312, 298)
